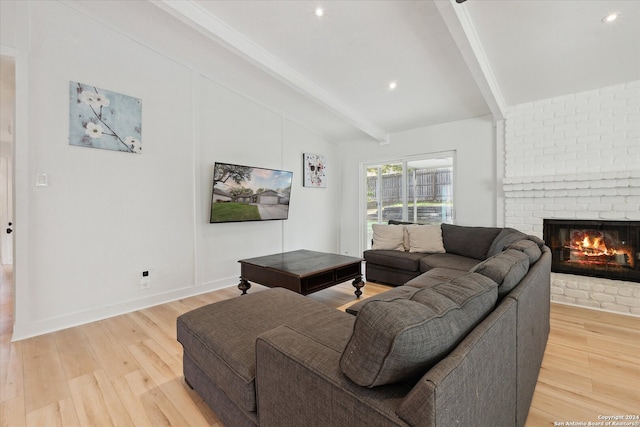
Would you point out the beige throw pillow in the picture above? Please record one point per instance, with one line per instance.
(388, 237)
(425, 238)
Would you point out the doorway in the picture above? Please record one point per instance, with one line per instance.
(7, 141)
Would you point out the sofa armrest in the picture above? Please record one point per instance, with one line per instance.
(475, 385)
(533, 300)
(299, 382)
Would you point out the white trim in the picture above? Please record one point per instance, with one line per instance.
(195, 151)
(499, 136)
(6, 211)
(456, 18)
(362, 207)
(94, 314)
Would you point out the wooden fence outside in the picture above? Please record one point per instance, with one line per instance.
(432, 185)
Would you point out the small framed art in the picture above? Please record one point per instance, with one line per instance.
(315, 170)
(99, 118)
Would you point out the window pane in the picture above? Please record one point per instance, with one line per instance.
(373, 213)
(384, 195)
(392, 195)
(430, 190)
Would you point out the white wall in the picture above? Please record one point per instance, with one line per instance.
(475, 188)
(107, 216)
(314, 213)
(236, 130)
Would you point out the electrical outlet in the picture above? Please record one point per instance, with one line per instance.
(145, 280)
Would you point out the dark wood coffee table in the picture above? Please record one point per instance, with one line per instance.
(301, 271)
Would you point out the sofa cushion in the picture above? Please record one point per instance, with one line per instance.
(506, 237)
(529, 247)
(395, 259)
(506, 269)
(444, 274)
(456, 262)
(461, 289)
(390, 237)
(472, 242)
(405, 292)
(425, 238)
(424, 281)
(398, 340)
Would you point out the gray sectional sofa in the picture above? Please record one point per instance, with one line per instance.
(452, 346)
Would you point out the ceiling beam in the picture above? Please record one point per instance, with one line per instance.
(457, 19)
(201, 19)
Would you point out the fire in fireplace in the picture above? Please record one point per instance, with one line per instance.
(609, 249)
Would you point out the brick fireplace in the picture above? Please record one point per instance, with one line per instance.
(577, 157)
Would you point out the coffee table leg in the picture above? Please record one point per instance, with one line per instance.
(245, 285)
(358, 283)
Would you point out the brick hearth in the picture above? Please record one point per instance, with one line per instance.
(576, 157)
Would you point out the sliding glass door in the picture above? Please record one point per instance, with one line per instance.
(417, 189)
(384, 192)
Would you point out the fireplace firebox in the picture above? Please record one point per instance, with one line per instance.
(609, 249)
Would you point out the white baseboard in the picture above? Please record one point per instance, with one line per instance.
(53, 324)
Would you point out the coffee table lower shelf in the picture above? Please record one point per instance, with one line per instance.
(301, 271)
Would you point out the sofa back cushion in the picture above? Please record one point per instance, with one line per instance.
(506, 269)
(388, 237)
(399, 340)
(529, 247)
(506, 237)
(424, 238)
(472, 242)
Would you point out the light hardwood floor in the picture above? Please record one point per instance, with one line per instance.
(127, 370)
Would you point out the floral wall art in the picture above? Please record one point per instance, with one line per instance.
(102, 119)
(315, 167)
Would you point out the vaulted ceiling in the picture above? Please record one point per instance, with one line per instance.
(449, 60)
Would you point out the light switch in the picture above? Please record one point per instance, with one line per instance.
(42, 180)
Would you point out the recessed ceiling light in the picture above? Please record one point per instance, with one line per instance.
(610, 18)
(319, 12)
(393, 85)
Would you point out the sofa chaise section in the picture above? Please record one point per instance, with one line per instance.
(219, 344)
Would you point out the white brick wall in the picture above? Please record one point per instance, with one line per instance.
(603, 294)
(576, 156)
(596, 131)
